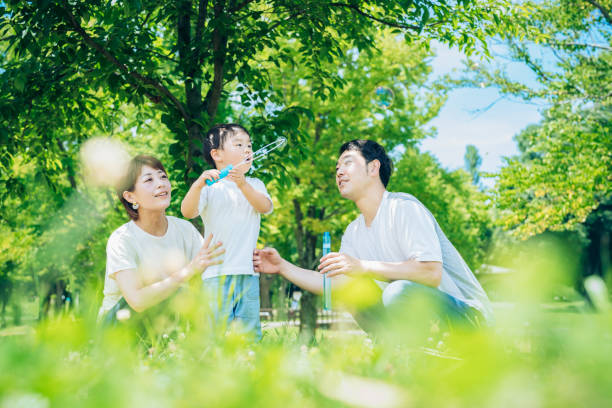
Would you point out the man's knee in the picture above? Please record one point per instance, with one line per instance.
(397, 291)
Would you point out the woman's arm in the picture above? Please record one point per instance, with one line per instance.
(142, 297)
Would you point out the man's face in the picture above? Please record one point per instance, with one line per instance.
(351, 174)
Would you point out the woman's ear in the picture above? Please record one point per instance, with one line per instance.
(128, 196)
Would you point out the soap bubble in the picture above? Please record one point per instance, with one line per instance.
(383, 97)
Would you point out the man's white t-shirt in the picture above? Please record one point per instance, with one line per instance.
(404, 229)
(155, 258)
(227, 214)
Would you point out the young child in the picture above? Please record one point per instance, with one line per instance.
(230, 210)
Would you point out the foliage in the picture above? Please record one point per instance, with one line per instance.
(563, 172)
(472, 162)
(562, 175)
(68, 64)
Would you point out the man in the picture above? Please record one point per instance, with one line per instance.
(395, 239)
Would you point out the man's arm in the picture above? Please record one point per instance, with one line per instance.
(268, 260)
(425, 273)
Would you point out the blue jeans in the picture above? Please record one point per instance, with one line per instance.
(450, 310)
(235, 297)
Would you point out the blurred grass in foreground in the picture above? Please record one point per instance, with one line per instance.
(532, 357)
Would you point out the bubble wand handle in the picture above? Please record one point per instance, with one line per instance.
(326, 279)
(280, 142)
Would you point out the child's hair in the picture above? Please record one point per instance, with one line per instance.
(216, 137)
(128, 181)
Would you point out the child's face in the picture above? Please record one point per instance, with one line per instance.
(236, 149)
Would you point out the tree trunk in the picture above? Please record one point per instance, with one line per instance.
(308, 302)
(265, 281)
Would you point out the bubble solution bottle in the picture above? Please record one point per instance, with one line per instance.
(326, 279)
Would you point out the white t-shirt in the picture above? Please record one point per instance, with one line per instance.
(227, 214)
(155, 258)
(404, 229)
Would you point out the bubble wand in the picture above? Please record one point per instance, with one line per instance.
(280, 142)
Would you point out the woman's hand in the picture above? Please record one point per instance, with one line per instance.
(207, 256)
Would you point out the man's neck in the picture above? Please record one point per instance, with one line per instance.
(153, 222)
(369, 201)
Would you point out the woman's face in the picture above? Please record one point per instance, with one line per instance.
(151, 191)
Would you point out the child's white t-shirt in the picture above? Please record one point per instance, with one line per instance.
(155, 258)
(227, 214)
(404, 229)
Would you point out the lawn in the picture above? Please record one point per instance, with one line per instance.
(532, 357)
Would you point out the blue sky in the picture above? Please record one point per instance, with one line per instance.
(491, 131)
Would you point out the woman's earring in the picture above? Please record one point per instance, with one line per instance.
(135, 206)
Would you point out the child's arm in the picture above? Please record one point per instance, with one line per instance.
(258, 200)
(189, 205)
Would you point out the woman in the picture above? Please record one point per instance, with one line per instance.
(150, 257)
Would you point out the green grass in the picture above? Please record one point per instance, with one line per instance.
(533, 357)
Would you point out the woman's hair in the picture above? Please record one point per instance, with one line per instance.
(128, 181)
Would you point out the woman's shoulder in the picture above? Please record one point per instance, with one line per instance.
(121, 235)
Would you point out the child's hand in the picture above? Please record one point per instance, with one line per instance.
(237, 177)
(212, 175)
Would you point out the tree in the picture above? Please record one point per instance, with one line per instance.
(472, 162)
(560, 181)
(63, 59)
(71, 69)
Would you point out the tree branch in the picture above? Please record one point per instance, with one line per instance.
(371, 17)
(604, 11)
(219, 54)
(241, 5)
(202, 14)
(123, 68)
(581, 45)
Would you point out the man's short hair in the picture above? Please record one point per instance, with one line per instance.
(217, 135)
(370, 150)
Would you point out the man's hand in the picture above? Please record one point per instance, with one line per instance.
(267, 260)
(336, 263)
(212, 175)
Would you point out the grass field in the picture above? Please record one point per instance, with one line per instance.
(532, 357)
